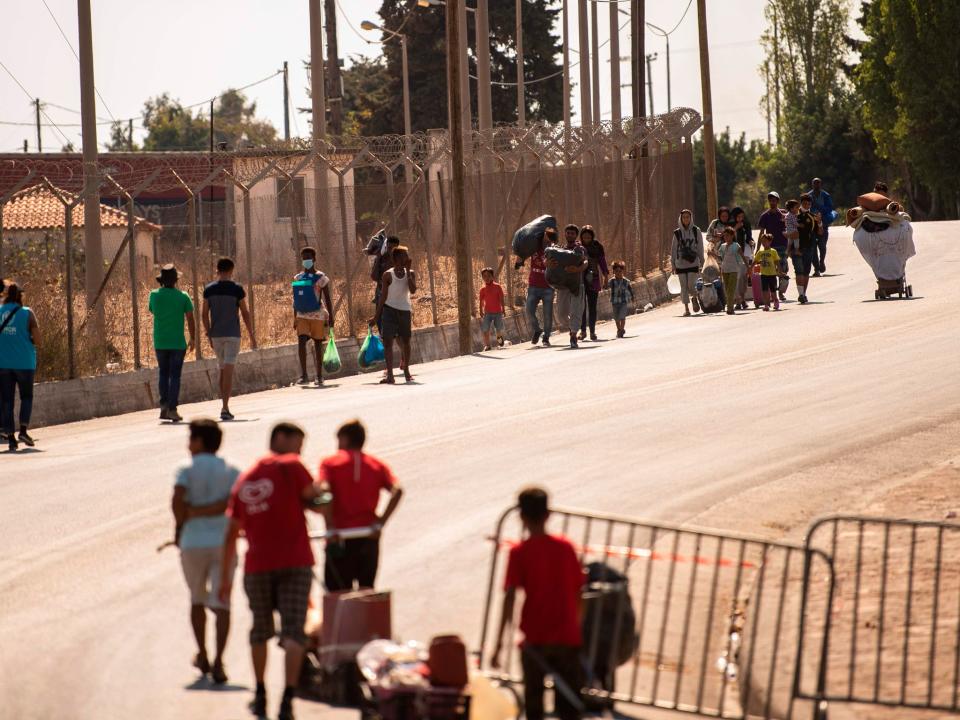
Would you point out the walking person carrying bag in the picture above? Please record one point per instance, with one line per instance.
(19, 335)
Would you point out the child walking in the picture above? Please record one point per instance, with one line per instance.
(769, 261)
(491, 308)
(621, 297)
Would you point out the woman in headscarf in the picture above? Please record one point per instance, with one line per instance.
(745, 239)
(592, 282)
(686, 257)
(714, 235)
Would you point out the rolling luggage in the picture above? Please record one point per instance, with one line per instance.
(757, 286)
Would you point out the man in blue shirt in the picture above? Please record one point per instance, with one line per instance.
(822, 206)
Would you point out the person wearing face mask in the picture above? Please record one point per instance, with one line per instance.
(310, 318)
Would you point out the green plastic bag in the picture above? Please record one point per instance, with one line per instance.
(331, 357)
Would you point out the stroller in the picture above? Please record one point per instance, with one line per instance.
(886, 242)
(710, 292)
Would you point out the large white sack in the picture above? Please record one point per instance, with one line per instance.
(887, 251)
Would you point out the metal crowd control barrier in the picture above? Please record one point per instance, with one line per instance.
(717, 615)
(893, 631)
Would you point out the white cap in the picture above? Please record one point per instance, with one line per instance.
(773, 193)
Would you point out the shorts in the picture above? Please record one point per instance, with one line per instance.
(311, 328)
(351, 561)
(288, 592)
(395, 323)
(769, 283)
(492, 320)
(201, 570)
(226, 349)
(620, 311)
(803, 263)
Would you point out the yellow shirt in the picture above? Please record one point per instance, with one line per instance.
(769, 260)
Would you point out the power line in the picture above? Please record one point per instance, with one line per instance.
(31, 98)
(70, 45)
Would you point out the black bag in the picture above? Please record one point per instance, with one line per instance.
(558, 277)
(687, 253)
(609, 625)
(526, 240)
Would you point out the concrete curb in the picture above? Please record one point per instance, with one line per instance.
(267, 369)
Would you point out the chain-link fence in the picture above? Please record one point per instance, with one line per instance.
(262, 206)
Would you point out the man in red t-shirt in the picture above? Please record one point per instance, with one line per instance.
(539, 290)
(356, 481)
(267, 503)
(548, 571)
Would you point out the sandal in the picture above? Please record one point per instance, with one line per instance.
(218, 674)
(407, 376)
(201, 663)
(388, 381)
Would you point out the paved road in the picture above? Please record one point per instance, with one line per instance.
(683, 413)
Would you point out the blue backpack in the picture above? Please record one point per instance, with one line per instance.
(305, 298)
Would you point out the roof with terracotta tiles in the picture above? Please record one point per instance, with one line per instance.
(39, 208)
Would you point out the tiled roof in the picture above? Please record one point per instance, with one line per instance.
(38, 208)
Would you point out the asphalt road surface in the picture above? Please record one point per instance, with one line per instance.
(683, 413)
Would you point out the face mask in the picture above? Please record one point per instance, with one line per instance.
(307, 264)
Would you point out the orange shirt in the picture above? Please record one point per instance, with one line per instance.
(491, 297)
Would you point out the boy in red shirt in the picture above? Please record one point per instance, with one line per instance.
(267, 503)
(548, 571)
(491, 308)
(356, 480)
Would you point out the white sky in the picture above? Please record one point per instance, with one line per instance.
(194, 49)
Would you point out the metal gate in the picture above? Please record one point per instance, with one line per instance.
(892, 636)
(717, 615)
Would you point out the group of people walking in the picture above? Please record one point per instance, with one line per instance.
(798, 233)
(213, 503)
(576, 303)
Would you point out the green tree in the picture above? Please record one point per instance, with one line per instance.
(821, 131)
(737, 162)
(380, 108)
(908, 80)
(170, 126)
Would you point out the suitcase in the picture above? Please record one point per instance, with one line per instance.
(757, 286)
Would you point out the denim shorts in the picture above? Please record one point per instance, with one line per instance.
(226, 349)
(803, 263)
(620, 311)
(492, 320)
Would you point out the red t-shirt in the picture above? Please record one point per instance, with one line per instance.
(267, 501)
(491, 297)
(355, 479)
(538, 271)
(546, 568)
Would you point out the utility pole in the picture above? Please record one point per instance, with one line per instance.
(566, 66)
(39, 138)
(637, 25)
(595, 64)
(650, 58)
(461, 243)
(286, 102)
(465, 110)
(92, 241)
(333, 69)
(484, 109)
(709, 140)
(130, 134)
(319, 125)
(521, 90)
(766, 84)
(584, 46)
(776, 69)
(616, 114)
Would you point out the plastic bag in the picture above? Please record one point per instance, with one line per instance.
(371, 351)
(526, 240)
(558, 277)
(331, 357)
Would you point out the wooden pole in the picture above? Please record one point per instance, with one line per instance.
(709, 140)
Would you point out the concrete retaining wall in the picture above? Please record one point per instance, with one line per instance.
(265, 369)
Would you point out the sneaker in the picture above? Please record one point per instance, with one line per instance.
(304, 380)
(286, 710)
(259, 705)
(546, 341)
(500, 340)
(226, 415)
(318, 382)
(573, 342)
(174, 415)
(11, 443)
(593, 336)
(218, 674)
(776, 306)
(26, 439)
(583, 335)
(816, 273)
(536, 337)
(164, 413)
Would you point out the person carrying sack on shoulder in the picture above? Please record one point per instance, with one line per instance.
(686, 256)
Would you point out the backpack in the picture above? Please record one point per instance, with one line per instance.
(305, 298)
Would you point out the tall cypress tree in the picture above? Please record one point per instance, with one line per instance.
(425, 29)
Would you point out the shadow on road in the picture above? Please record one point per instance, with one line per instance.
(203, 683)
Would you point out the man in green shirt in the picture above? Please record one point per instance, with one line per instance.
(170, 306)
